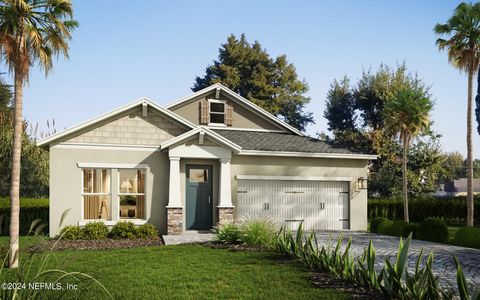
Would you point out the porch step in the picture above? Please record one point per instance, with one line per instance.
(188, 238)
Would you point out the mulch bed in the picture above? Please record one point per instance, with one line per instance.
(327, 280)
(95, 244)
(321, 280)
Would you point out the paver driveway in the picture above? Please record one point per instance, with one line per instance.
(386, 247)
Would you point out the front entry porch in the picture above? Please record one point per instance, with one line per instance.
(199, 188)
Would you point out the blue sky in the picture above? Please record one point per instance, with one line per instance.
(124, 50)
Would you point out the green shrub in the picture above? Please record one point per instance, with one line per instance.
(147, 231)
(229, 233)
(410, 228)
(450, 209)
(95, 231)
(468, 237)
(259, 232)
(72, 233)
(433, 230)
(124, 230)
(375, 222)
(389, 227)
(30, 210)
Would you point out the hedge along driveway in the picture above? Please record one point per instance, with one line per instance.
(30, 210)
(452, 210)
(386, 248)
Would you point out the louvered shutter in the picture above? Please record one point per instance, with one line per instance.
(228, 114)
(204, 113)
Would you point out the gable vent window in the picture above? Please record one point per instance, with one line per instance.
(215, 112)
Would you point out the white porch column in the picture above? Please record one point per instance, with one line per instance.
(174, 190)
(225, 184)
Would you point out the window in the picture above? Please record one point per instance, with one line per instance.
(96, 194)
(217, 112)
(132, 193)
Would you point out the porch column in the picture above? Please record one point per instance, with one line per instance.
(174, 208)
(225, 206)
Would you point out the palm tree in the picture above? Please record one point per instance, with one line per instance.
(31, 31)
(407, 115)
(463, 48)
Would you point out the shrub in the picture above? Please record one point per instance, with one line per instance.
(229, 233)
(389, 227)
(468, 237)
(375, 222)
(72, 233)
(147, 231)
(30, 210)
(410, 228)
(259, 232)
(95, 231)
(124, 230)
(434, 230)
(451, 209)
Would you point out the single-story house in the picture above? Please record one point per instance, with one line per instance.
(456, 187)
(208, 158)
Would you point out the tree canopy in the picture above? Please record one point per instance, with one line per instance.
(271, 83)
(356, 118)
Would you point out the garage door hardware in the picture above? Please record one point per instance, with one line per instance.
(343, 192)
(241, 192)
(266, 206)
(294, 192)
(322, 205)
(295, 220)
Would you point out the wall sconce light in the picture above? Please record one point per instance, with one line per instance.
(362, 183)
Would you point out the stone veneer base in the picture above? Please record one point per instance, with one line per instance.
(174, 220)
(225, 215)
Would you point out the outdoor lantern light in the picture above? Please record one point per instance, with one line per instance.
(362, 183)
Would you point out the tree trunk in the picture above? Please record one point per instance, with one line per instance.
(15, 175)
(404, 177)
(469, 150)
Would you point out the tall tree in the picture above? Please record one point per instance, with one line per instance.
(462, 44)
(272, 84)
(407, 115)
(31, 31)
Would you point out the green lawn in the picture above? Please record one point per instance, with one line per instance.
(186, 272)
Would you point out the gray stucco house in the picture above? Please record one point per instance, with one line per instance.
(208, 158)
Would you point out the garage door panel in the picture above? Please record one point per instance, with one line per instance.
(319, 204)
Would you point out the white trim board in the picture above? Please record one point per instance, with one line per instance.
(199, 130)
(307, 154)
(256, 109)
(141, 101)
(84, 165)
(115, 147)
(293, 178)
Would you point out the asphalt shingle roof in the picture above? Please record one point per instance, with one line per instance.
(270, 141)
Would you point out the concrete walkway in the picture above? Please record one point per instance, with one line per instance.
(188, 238)
(386, 248)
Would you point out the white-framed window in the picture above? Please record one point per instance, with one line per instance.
(131, 193)
(96, 194)
(217, 111)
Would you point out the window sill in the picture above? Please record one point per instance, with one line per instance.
(216, 125)
(112, 223)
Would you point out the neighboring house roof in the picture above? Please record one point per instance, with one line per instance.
(263, 113)
(257, 142)
(55, 137)
(460, 186)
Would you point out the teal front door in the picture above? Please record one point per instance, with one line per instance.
(199, 197)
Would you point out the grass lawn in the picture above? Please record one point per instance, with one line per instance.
(184, 272)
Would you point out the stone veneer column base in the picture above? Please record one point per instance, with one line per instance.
(174, 220)
(225, 215)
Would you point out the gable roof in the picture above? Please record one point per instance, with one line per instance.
(271, 143)
(243, 101)
(201, 130)
(55, 137)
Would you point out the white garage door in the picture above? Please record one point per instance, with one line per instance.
(318, 204)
